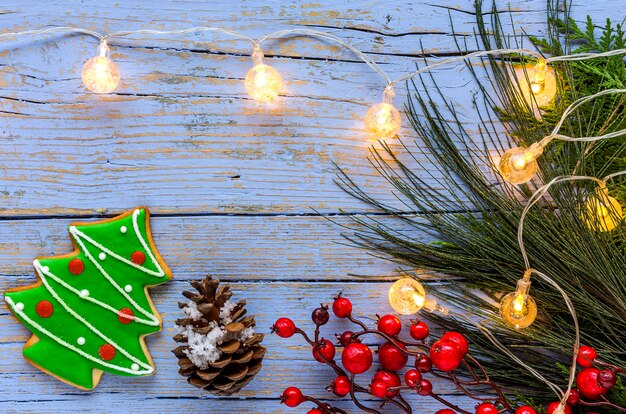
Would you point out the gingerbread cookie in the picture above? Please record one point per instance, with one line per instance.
(90, 310)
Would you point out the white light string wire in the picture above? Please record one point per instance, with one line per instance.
(53, 30)
(263, 83)
(491, 337)
(316, 34)
(332, 38)
(575, 105)
(537, 195)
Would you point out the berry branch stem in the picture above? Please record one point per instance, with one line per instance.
(445, 355)
(603, 403)
(449, 404)
(357, 402)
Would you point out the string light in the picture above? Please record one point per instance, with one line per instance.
(407, 296)
(538, 83)
(382, 120)
(100, 74)
(602, 211)
(263, 82)
(518, 309)
(518, 165)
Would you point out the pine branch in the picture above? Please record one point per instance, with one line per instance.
(478, 249)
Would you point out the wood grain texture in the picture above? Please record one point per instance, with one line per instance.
(232, 184)
(180, 134)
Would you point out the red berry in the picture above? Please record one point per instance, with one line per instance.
(391, 357)
(320, 315)
(574, 397)
(315, 411)
(379, 389)
(423, 363)
(607, 378)
(458, 339)
(342, 307)
(419, 331)
(486, 408)
(356, 358)
(412, 377)
(391, 379)
(324, 352)
(554, 405)
(284, 327)
(587, 383)
(445, 355)
(525, 409)
(292, 397)
(341, 386)
(586, 355)
(390, 325)
(425, 387)
(346, 338)
(446, 411)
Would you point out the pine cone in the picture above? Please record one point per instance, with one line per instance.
(222, 353)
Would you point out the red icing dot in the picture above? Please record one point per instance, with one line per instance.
(125, 316)
(76, 266)
(107, 352)
(44, 309)
(138, 257)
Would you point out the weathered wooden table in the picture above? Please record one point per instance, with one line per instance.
(236, 189)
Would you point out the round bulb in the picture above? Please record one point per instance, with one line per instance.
(538, 84)
(407, 296)
(100, 74)
(517, 310)
(263, 83)
(516, 166)
(382, 121)
(604, 212)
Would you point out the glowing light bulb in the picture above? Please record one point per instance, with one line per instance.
(518, 165)
(382, 120)
(263, 82)
(407, 296)
(100, 74)
(538, 83)
(603, 212)
(518, 309)
(538, 77)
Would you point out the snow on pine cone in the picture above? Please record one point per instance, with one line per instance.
(222, 353)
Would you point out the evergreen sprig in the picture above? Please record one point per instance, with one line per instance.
(473, 215)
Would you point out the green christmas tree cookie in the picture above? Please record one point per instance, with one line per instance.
(89, 310)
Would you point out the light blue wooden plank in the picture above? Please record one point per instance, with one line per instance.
(234, 248)
(188, 128)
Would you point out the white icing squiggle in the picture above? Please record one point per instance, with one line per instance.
(84, 294)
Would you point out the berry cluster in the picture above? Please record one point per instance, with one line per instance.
(445, 358)
(593, 382)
